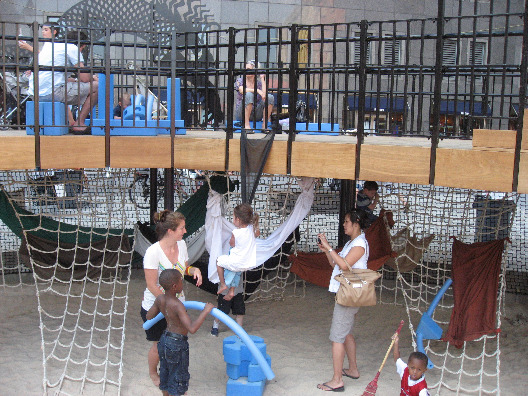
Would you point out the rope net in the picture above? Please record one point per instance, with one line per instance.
(71, 230)
(426, 217)
(50, 220)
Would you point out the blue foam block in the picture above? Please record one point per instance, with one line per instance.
(255, 373)
(52, 118)
(236, 351)
(242, 387)
(30, 117)
(314, 129)
(235, 371)
(136, 127)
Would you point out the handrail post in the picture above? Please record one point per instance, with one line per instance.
(107, 98)
(36, 118)
(230, 92)
(522, 100)
(437, 88)
(292, 97)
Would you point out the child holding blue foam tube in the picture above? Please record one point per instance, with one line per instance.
(173, 347)
(243, 253)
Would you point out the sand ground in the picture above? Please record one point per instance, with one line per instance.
(295, 331)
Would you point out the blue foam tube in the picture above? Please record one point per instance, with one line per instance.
(150, 103)
(438, 296)
(237, 329)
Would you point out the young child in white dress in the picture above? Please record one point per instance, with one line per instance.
(243, 253)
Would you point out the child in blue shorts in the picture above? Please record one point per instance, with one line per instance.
(243, 253)
(173, 347)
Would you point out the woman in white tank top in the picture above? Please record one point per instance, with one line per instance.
(354, 254)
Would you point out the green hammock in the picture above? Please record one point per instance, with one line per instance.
(193, 209)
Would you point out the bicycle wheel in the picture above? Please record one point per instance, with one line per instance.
(139, 192)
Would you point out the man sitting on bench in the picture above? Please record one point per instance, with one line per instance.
(55, 86)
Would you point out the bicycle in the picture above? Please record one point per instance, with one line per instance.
(12, 101)
(139, 189)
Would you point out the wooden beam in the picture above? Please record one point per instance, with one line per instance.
(396, 164)
(17, 153)
(195, 153)
(140, 152)
(477, 169)
(329, 160)
(522, 187)
(63, 152)
(484, 168)
(488, 138)
(275, 165)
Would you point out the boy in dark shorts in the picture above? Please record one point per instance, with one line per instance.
(236, 305)
(173, 347)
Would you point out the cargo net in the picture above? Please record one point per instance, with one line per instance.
(90, 214)
(426, 217)
(67, 234)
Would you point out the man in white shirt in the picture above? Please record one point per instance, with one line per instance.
(54, 85)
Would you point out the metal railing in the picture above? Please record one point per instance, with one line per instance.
(439, 77)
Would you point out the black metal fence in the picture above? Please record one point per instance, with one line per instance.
(437, 77)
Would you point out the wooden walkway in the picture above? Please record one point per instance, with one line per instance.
(486, 162)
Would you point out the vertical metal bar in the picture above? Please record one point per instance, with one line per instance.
(522, 99)
(347, 192)
(293, 92)
(153, 201)
(421, 78)
(504, 62)
(486, 81)
(173, 103)
(17, 73)
(468, 125)
(35, 28)
(378, 79)
(216, 121)
(107, 99)
(309, 83)
(168, 188)
(321, 73)
(280, 65)
(333, 80)
(406, 80)
(440, 24)
(347, 197)
(363, 46)
(3, 99)
(347, 202)
(230, 91)
(346, 73)
(267, 84)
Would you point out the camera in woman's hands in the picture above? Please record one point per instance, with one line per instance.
(319, 241)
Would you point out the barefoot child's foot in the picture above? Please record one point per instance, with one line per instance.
(221, 288)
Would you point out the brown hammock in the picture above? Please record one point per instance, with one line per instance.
(314, 267)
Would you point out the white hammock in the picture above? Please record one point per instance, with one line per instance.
(218, 229)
